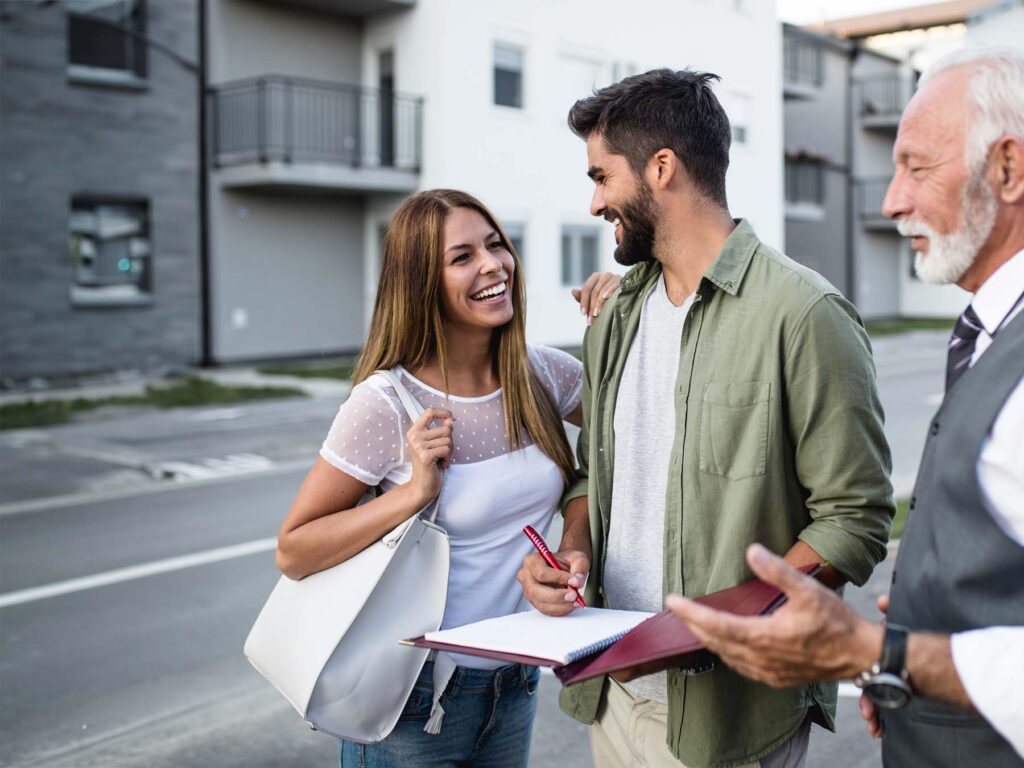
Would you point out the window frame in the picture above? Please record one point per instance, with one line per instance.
(136, 292)
(135, 76)
(495, 68)
(577, 272)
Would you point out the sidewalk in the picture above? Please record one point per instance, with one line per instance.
(133, 383)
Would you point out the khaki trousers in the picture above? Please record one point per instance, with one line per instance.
(631, 732)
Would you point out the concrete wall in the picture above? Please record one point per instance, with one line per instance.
(524, 163)
(288, 274)
(876, 251)
(250, 38)
(59, 139)
(286, 267)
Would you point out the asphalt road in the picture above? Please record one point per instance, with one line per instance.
(125, 599)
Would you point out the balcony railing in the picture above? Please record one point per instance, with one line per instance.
(870, 195)
(802, 65)
(884, 96)
(295, 120)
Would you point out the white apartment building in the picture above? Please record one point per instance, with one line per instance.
(325, 114)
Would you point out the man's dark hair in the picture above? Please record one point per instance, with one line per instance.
(662, 109)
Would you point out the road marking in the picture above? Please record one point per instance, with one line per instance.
(76, 499)
(235, 464)
(137, 572)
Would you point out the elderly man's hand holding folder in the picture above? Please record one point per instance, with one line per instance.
(595, 641)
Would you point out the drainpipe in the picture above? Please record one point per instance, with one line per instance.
(206, 343)
(851, 187)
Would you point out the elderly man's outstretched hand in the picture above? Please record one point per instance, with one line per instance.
(813, 637)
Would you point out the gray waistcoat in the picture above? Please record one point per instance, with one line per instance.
(956, 569)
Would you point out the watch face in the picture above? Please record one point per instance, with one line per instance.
(888, 691)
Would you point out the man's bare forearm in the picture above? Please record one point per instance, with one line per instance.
(576, 527)
(932, 672)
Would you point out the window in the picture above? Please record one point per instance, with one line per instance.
(516, 233)
(805, 183)
(110, 251)
(105, 40)
(508, 76)
(737, 107)
(579, 254)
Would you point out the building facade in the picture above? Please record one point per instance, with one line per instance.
(167, 201)
(842, 105)
(99, 181)
(438, 93)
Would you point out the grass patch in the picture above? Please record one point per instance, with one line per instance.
(336, 369)
(905, 324)
(898, 522)
(188, 392)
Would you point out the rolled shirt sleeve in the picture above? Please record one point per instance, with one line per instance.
(836, 424)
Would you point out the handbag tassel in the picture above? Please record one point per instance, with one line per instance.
(444, 668)
(433, 725)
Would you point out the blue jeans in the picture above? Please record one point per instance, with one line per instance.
(488, 721)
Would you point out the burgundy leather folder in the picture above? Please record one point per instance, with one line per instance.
(662, 638)
(665, 639)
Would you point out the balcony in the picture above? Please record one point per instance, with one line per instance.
(802, 73)
(278, 132)
(869, 196)
(351, 8)
(881, 100)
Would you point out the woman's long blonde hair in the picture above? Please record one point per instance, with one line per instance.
(408, 322)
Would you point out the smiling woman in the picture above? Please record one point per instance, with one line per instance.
(449, 321)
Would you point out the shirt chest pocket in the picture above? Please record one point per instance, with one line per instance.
(734, 429)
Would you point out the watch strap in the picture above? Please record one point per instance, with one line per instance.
(894, 650)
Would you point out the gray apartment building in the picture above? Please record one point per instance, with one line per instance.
(99, 187)
(842, 104)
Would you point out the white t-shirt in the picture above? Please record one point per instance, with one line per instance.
(645, 431)
(489, 493)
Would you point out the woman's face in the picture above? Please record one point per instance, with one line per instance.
(476, 279)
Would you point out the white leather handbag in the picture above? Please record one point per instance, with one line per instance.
(330, 642)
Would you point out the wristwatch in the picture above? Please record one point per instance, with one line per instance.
(886, 683)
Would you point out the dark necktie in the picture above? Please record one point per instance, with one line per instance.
(961, 345)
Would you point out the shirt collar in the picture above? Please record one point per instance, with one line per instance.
(998, 295)
(730, 266)
(726, 272)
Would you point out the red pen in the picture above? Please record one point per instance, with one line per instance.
(542, 547)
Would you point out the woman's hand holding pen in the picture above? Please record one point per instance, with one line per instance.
(431, 448)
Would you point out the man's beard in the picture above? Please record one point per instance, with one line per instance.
(638, 218)
(950, 256)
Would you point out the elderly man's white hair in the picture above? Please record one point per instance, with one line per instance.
(997, 89)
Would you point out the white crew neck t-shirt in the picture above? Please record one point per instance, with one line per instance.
(489, 493)
(645, 430)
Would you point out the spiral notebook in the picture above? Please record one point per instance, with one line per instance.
(532, 638)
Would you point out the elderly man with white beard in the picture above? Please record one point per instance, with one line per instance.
(943, 677)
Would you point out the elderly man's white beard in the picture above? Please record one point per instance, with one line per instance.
(949, 256)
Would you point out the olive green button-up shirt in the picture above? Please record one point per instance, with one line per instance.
(778, 438)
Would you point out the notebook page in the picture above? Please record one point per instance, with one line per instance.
(560, 639)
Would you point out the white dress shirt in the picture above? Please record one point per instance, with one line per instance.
(990, 661)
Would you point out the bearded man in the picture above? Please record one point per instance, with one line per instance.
(946, 673)
(729, 397)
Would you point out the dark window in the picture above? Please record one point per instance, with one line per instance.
(579, 254)
(108, 35)
(110, 249)
(508, 76)
(805, 182)
(516, 234)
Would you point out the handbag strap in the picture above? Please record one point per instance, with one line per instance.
(414, 410)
